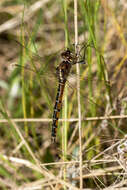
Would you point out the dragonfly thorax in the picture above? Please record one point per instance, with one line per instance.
(63, 70)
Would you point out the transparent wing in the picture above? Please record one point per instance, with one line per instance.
(46, 66)
(43, 70)
(29, 59)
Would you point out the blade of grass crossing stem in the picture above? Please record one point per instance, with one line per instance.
(24, 106)
(21, 60)
(32, 46)
(65, 125)
(64, 144)
(89, 60)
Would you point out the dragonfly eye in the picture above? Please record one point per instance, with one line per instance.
(68, 51)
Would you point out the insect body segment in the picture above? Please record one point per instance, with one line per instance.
(57, 108)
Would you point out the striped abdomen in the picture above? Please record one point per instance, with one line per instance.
(57, 108)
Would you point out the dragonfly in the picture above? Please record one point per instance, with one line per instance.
(62, 73)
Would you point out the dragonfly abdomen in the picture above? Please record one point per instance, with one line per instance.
(57, 108)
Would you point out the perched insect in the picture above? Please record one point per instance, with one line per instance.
(62, 75)
(62, 71)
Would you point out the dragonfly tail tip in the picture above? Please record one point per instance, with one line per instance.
(53, 139)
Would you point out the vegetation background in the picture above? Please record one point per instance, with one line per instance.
(32, 35)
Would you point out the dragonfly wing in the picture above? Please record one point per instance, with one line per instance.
(93, 91)
(32, 60)
(39, 75)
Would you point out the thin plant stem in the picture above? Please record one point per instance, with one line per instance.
(23, 82)
(78, 94)
(64, 143)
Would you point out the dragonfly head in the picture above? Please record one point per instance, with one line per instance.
(69, 56)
